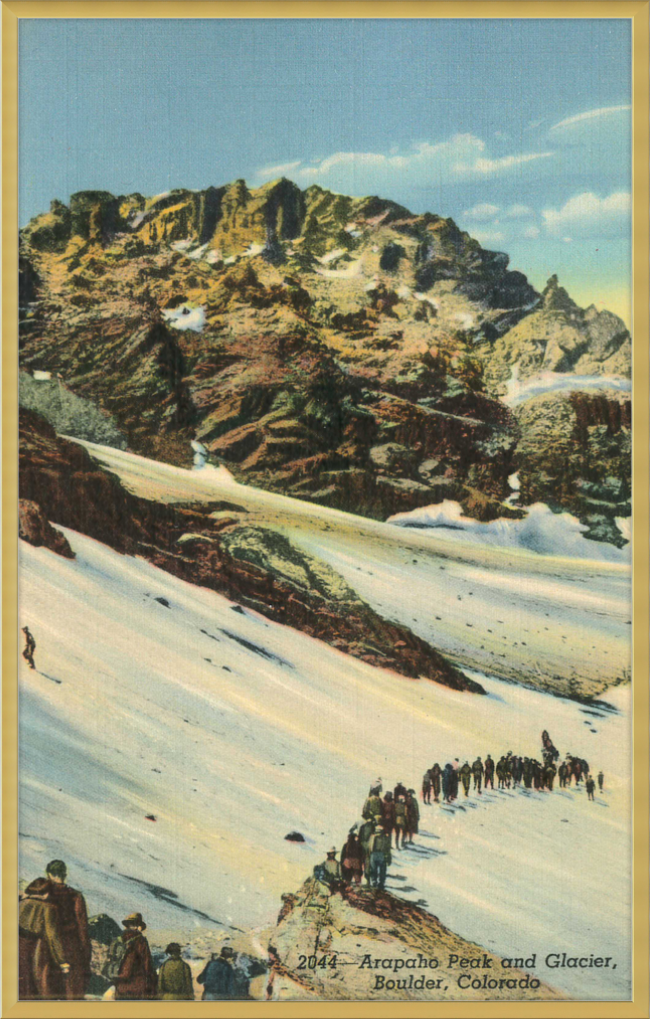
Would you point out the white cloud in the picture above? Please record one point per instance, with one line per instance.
(531, 232)
(518, 211)
(481, 212)
(279, 170)
(484, 166)
(424, 165)
(587, 215)
(488, 236)
(603, 111)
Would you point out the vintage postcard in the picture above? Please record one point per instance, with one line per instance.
(326, 336)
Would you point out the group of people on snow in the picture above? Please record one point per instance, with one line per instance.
(510, 770)
(55, 951)
(367, 850)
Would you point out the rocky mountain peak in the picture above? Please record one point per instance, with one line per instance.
(298, 332)
(556, 298)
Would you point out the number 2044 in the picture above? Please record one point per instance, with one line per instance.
(314, 961)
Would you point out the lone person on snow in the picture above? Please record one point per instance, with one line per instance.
(30, 647)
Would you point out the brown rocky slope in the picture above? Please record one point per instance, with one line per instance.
(212, 547)
(340, 350)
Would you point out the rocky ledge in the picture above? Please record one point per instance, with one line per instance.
(213, 547)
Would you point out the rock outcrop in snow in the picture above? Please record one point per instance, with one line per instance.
(254, 566)
(373, 945)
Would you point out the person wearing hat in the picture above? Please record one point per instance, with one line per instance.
(218, 977)
(436, 777)
(175, 977)
(489, 771)
(41, 954)
(477, 771)
(352, 859)
(136, 978)
(388, 814)
(71, 919)
(380, 858)
(412, 815)
(366, 831)
(372, 807)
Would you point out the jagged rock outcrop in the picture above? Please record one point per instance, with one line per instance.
(350, 934)
(294, 332)
(575, 454)
(254, 566)
(558, 336)
(34, 527)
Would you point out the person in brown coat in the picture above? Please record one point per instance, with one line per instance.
(72, 925)
(412, 815)
(137, 977)
(352, 860)
(388, 814)
(42, 965)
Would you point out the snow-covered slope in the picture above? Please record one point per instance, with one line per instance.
(232, 731)
(541, 531)
(550, 620)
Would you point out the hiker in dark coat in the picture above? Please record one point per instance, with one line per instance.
(400, 821)
(561, 774)
(42, 965)
(175, 977)
(372, 807)
(436, 775)
(218, 977)
(352, 859)
(366, 831)
(137, 976)
(447, 783)
(590, 785)
(412, 815)
(380, 858)
(549, 775)
(455, 778)
(477, 772)
(30, 647)
(426, 787)
(489, 772)
(601, 781)
(399, 790)
(72, 924)
(388, 814)
(538, 779)
(466, 777)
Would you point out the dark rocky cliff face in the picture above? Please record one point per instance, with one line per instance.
(256, 567)
(336, 349)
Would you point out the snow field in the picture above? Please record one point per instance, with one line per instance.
(126, 716)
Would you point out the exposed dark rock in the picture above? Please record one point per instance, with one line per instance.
(34, 527)
(253, 566)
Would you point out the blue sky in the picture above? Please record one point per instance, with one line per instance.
(519, 129)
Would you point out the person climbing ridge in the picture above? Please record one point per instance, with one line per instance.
(30, 647)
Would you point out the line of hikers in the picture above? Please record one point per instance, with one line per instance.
(510, 770)
(367, 850)
(55, 951)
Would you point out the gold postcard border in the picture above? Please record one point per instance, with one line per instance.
(308, 9)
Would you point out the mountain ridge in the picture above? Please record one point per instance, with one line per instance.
(338, 349)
